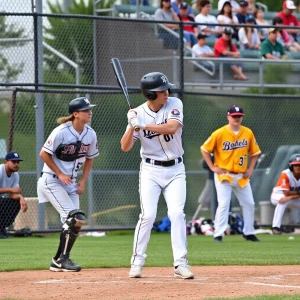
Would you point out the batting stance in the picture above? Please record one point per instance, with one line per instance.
(160, 120)
(231, 145)
(69, 146)
(286, 193)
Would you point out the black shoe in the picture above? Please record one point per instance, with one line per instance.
(3, 234)
(218, 239)
(64, 265)
(276, 230)
(250, 237)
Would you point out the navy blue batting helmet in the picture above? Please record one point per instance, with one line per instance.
(79, 104)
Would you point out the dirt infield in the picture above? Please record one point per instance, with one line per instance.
(157, 283)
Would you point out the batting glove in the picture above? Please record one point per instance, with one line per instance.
(136, 123)
(130, 115)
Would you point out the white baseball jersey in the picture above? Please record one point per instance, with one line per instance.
(159, 146)
(66, 134)
(8, 182)
(286, 182)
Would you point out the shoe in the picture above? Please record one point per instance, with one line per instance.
(276, 230)
(64, 265)
(250, 237)
(218, 239)
(135, 271)
(3, 234)
(183, 271)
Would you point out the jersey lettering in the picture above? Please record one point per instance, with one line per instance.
(150, 134)
(69, 149)
(228, 146)
(84, 149)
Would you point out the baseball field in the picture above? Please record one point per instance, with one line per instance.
(233, 269)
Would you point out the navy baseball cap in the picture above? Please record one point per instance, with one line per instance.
(13, 156)
(183, 5)
(250, 18)
(243, 3)
(235, 110)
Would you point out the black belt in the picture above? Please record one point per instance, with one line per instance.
(54, 176)
(168, 163)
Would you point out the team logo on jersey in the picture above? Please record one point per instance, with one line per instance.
(84, 149)
(150, 134)
(49, 142)
(228, 146)
(175, 112)
(164, 79)
(283, 182)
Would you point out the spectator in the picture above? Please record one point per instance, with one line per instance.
(251, 7)
(243, 12)
(205, 17)
(190, 30)
(202, 50)
(260, 20)
(235, 6)
(226, 17)
(286, 40)
(271, 48)
(225, 48)
(141, 2)
(176, 7)
(11, 200)
(248, 36)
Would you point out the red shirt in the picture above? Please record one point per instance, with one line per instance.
(290, 20)
(222, 45)
(186, 27)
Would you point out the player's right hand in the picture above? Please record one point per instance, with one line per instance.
(218, 170)
(16, 190)
(130, 115)
(65, 179)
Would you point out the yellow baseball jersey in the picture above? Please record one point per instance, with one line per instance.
(231, 150)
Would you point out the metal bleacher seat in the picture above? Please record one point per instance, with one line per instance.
(131, 9)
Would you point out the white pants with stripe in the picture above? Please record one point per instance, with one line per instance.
(62, 197)
(280, 208)
(245, 197)
(171, 181)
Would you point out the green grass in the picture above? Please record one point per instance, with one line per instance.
(264, 297)
(114, 250)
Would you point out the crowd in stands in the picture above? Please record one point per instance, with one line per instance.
(229, 40)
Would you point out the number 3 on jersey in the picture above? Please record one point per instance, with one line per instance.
(242, 160)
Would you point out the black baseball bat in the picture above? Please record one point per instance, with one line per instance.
(121, 81)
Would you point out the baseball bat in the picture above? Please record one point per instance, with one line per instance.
(122, 82)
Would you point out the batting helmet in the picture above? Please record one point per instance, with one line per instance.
(154, 82)
(79, 104)
(294, 160)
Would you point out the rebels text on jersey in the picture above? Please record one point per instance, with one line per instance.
(157, 146)
(66, 135)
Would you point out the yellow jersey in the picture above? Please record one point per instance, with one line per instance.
(231, 150)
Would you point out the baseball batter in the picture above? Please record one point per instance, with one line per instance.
(231, 145)
(160, 120)
(70, 145)
(286, 193)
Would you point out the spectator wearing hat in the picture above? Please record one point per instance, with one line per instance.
(11, 200)
(205, 18)
(289, 19)
(176, 7)
(202, 50)
(235, 6)
(190, 31)
(271, 48)
(243, 13)
(225, 48)
(248, 36)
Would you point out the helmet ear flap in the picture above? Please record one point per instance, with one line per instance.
(149, 94)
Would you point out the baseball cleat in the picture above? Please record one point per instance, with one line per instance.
(135, 271)
(64, 265)
(250, 237)
(276, 230)
(218, 239)
(183, 271)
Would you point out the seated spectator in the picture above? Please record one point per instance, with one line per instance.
(235, 6)
(226, 17)
(243, 13)
(248, 36)
(286, 40)
(270, 48)
(202, 50)
(260, 20)
(205, 17)
(251, 7)
(11, 200)
(176, 6)
(190, 30)
(225, 48)
(289, 19)
(141, 2)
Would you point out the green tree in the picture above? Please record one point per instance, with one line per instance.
(9, 72)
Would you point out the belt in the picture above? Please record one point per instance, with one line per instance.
(168, 163)
(53, 175)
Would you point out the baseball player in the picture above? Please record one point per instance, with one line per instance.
(160, 120)
(70, 145)
(231, 145)
(286, 193)
(11, 200)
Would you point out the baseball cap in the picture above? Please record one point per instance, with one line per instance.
(201, 36)
(228, 30)
(243, 3)
(289, 4)
(249, 18)
(13, 156)
(272, 30)
(183, 5)
(235, 110)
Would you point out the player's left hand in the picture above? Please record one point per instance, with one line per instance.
(248, 173)
(80, 187)
(23, 204)
(136, 123)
